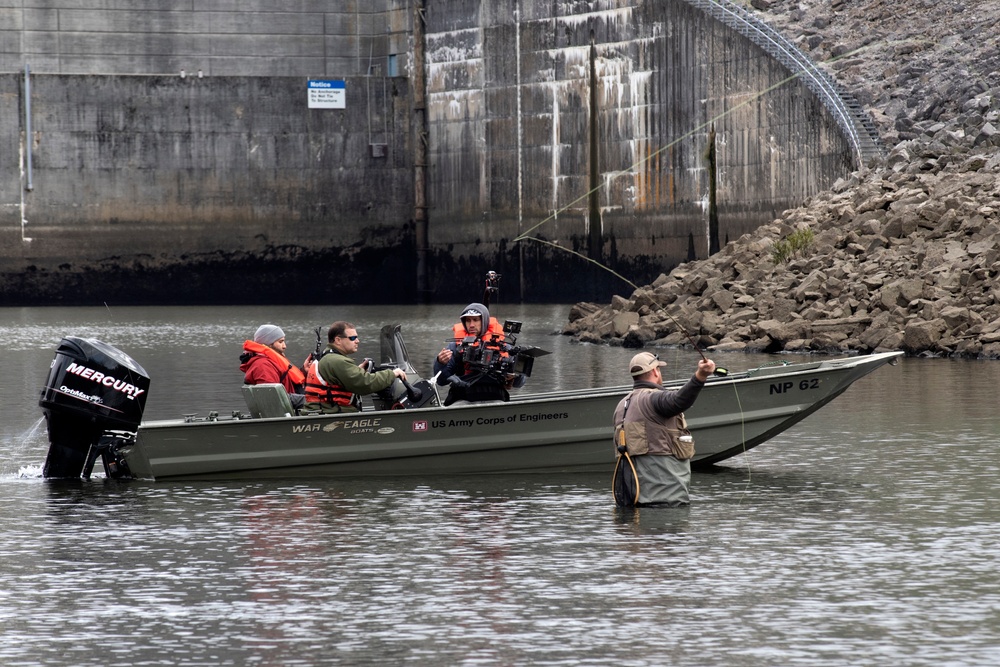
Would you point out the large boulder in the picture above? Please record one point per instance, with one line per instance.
(921, 336)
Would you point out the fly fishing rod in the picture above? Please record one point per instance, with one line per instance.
(526, 235)
(721, 372)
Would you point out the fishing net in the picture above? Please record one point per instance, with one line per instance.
(625, 483)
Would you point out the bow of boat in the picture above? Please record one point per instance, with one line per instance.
(736, 413)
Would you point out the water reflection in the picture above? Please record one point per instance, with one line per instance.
(500, 570)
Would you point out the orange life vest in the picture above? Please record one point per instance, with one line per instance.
(492, 338)
(284, 366)
(319, 390)
(459, 333)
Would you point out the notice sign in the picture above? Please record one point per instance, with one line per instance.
(327, 94)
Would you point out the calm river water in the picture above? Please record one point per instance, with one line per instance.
(866, 535)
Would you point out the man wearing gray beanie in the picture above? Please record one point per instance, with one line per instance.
(263, 362)
(269, 334)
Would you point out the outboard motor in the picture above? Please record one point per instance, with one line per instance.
(92, 388)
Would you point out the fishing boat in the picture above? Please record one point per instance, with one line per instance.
(95, 393)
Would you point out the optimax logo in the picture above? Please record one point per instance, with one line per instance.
(130, 390)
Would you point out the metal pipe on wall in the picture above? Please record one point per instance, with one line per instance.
(594, 250)
(27, 122)
(419, 128)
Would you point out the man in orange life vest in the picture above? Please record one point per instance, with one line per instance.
(264, 362)
(467, 383)
(335, 383)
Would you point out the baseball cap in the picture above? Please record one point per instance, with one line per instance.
(644, 362)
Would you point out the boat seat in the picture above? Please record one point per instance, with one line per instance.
(267, 400)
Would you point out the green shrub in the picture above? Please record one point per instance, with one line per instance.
(792, 245)
(780, 252)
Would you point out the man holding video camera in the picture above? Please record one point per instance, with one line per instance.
(473, 362)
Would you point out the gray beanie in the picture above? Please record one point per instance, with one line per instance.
(267, 334)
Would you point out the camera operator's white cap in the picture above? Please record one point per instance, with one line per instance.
(477, 310)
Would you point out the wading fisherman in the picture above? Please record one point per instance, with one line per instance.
(335, 383)
(650, 420)
(263, 362)
(467, 382)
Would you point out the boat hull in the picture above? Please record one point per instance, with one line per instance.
(568, 431)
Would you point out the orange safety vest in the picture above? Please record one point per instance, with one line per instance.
(293, 372)
(459, 333)
(319, 390)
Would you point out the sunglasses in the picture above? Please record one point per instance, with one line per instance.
(350, 338)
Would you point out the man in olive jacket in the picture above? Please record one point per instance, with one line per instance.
(335, 383)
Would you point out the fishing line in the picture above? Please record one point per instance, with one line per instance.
(743, 439)
(718, 371)
(526, 235)
(753, 98)
(680, 327)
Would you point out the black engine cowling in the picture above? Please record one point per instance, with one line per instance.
(92, 388)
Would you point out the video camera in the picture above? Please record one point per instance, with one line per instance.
(499, 359)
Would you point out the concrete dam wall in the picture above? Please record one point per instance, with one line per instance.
(590, 130)
(536, 139)
(167, 190)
